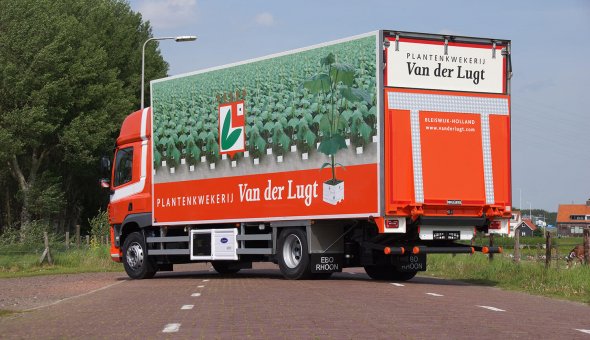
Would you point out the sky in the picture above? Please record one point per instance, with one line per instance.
(550, 56)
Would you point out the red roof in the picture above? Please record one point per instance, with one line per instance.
(529, 224)
(566, 210)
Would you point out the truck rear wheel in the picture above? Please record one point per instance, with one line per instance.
(135, 258)
(224, 267)
(386, 272)
(293, 253)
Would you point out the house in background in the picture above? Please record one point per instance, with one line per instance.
(526, 227)
(573, 218)
(515, 220)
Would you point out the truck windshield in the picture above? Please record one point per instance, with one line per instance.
(123, 166)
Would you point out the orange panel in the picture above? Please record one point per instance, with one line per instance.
(452, 157)
(500, 140)
(399, 179)
(270, 195)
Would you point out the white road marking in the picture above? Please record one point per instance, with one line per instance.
(171, 328)
(434, 294)
(587, 331)
(492, 308)
(196, 294)
(200, 286)
(397, 284)
(205, 280)
(187, 307)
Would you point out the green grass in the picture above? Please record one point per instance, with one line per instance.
(530, 277)
(19, 262)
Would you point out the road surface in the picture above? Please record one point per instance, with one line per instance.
(260, 304)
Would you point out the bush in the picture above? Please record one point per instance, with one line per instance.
(99, 227)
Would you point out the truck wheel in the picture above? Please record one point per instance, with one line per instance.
(135, 259)
(385, 272)
(294, 259)
(224, 267)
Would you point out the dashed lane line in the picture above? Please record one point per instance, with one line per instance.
(171, 328)
(201, 286)
(434, 294)
(397, 284)
(196, 294)
(587, 331)
(492, 308)
(186, 307)
(205, 280)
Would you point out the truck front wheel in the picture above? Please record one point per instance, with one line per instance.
(293, 253)
(136, 262)
(386, 272)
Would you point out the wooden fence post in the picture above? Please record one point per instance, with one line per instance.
(78, 236)
(517, 245)
(587, 245)
(87, 240)
(67, 240)
(491, 255)
(547, 249)
(46, 253)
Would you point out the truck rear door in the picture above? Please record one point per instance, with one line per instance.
(447, 127)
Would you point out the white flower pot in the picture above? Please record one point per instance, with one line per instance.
(256, 161)
(333, 193)
(304, 156)
(246, 154)
(279, 159)
(293, 148)
(359, 150)
(172, 170)
(212, 166)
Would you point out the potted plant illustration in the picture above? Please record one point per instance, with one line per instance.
(335, 84)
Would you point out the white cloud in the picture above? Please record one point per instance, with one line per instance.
(168, 13)
(265, 19)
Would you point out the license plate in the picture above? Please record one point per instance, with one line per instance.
(326, 263)
(411, 263)
(446, 235)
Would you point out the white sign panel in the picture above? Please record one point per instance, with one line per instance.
(425, 66)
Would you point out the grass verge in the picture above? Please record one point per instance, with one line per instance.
(84, 260)
(530, 277)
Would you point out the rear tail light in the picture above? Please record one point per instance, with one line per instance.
(392, 224)
(496, 225)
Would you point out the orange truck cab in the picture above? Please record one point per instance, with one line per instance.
(370, 151)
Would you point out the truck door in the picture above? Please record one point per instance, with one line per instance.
(122, 178)
(446, 149)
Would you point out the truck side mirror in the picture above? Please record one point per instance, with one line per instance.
(105, 167)
(105, 183)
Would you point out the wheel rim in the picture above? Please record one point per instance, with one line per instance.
(292, 251)
(134, 256)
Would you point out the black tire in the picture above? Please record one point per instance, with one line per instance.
(388, 272)
(293, 254)
(224, 267)
(135, 260)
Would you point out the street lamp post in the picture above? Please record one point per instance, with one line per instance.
(181, 38)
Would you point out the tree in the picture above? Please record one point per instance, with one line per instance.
(70, 73)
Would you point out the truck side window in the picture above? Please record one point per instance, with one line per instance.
(123, 166)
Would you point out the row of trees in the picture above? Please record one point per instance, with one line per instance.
(69, 74)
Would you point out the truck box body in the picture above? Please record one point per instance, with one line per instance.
(432, 134)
